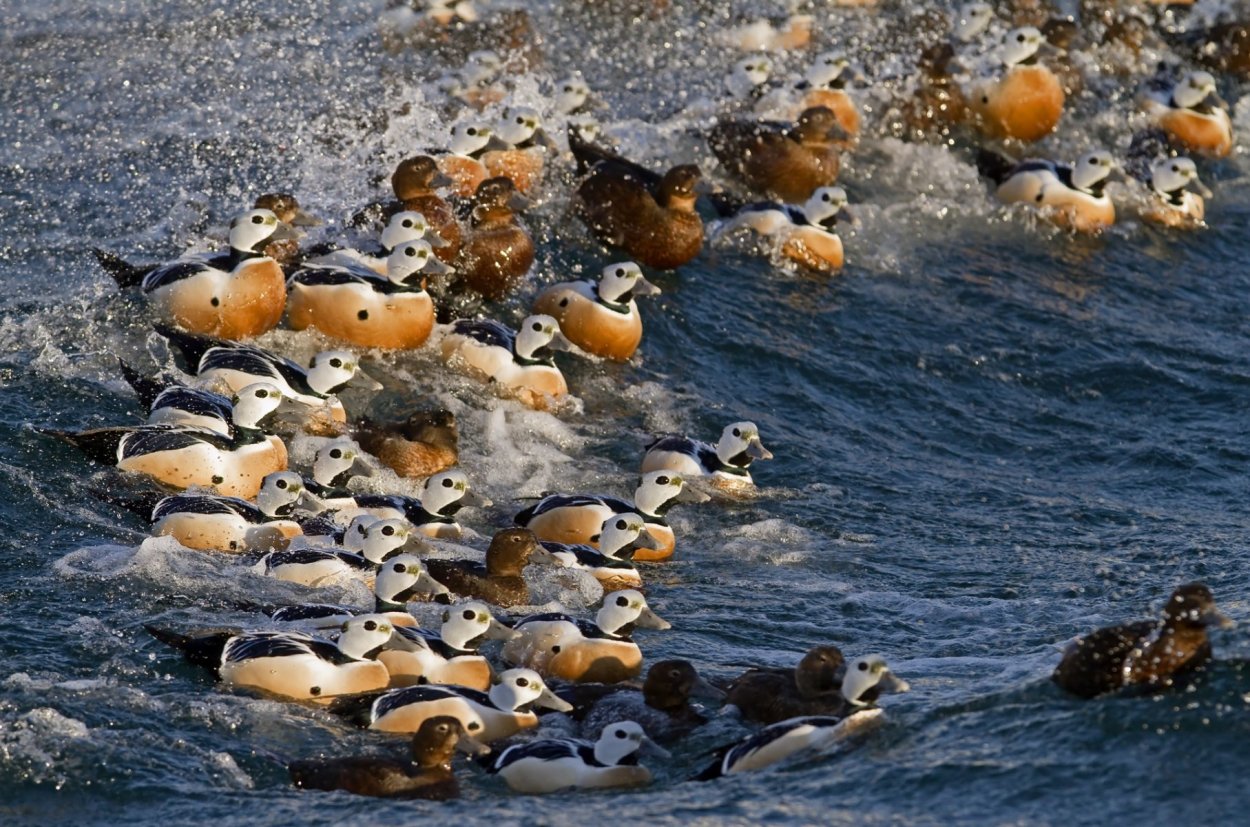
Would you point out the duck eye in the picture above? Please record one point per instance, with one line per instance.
(555, 650)
(400, 568)
(448, 483)
(662, 480)
(336, 454)
(863, 667)
(261, 394)
(620, 272)
(522, 682)
(1175, 168)
(407, 222)
(281, 484)
(621, 525)
(537, 327)
(568, 89)
(519, 119)
(388, 531)
(470, 131)
(336, 363)
(474, 726)
(622, 601)
(469, 614)
(256, 219)
(1093, 160)
(1019, 38)
(736, 431)
(370, 626)
(410, 251)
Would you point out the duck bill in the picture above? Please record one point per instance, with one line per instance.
(472, 499)
(756, 450)
(649, 747)
(703, 689)
(431, 586)
(285, 232)
(550, 700)
(691, 495)
(893, 683)
(363, 380)
(303, 219)
(440, 180)
(1199, 187)
(498, 631)
(434, 267)
(642, 287)
(560, 342)
(415, 544)
(495, 144)
(544, 140)
(472, 746)
(650, 620)
(517, 201)
(435, 240)
(1214, 617)
(1214, 100)
(645, 540)
(310, 501)
(361, 467)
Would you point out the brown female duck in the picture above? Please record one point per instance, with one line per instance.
(498, 580)
(782, 162)
(497, 252)
(426, 774)
(771, 695)
(651, 217)
(428, 442)
(662, 705)
(1149, 654)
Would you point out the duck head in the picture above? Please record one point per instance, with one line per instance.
(1197, 89)
(972, 21)
(740, 445)
(363, 637)
(411, 258)
(620, 740)
(819, 671)
(333, 370)
(622, 533)
(384, 538)
(1020, 46)
(405, 573)
(1193, 606)
(677, 188)
(409, 225)
(466, 625)
(621, 282)
(448, 492)
(417, 176)
(519, 687)
(571, 94)
(511, 550)
(670, 685)
(537, 333)
(625, 609)
(1169, 176)
(827, 71)
(867, 677)
(339, 460)
(659, 490)
(438, 739)
(254, 227)
(826, 207)
(1092, 171)
(279, 490)
(748, 76)
(253, 403)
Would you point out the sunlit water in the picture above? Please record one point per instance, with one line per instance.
(990, 437)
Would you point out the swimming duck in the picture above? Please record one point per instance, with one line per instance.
(1148, 654)
(662, 705)
(214, 523)
(234, 365)
(520, 363)
(795, 32)
(169, 402)
(356, 305)
(1171, 203)
(1192, 113)
(601, 319)
(1071, 196)
(804, 235)
(291, 665)
(501, 712)
(522, 161)
(779, 741)
(572, 95)
(565, 518)
(448, 656)
(619, 539)
(321, 565)
(434, 514)
(498, 580)
(788, 163)
(427, 443)
(497, 251)
(727, 462)
(415, 183)
(403, 226)
(547, 765)
(1027, 101)
(651, 217)
(822, 684)
(427, 774)
(462, 164)
(181, 456)
(597, 652)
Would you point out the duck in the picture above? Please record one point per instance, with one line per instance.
(426, 774)
(804, 235)
(776, 742)
(788, 163)
(527, 145)
(399, 580)
(169, 402)
(290, 665)
(499, 579)
(824, 84)
(1192, 113)
(822, 684)
(548, 765)
(619, 539)
(572, 95)
(662, 706)
(727, 463)
(450, 655)
(1073, 197)
(233, 365)
(209, 522)
(518, 363)
(1170, 202)
(501, 712)
(322, 565)
(595, 652)
(354, 304)
(1026, 102)
(402, 227)
(498, 251)
(182, 456)
(415, 183)
(1148, 655)
(462, 163)
(423, 445)
(236, 295)
(335, 463)
(795, 32)
(565, 518)
(601, 318)
(434, 514)
(651, 217)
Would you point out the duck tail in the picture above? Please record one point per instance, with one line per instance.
(141, 503)
(355, 709)
(588, 154)
(123, 272)
(100, 445)
(994, 165)
(146, 388)
(204, 650)
(192, 345)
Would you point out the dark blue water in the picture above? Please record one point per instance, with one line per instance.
(990, 437)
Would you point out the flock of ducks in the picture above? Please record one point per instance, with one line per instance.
(451, 241)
